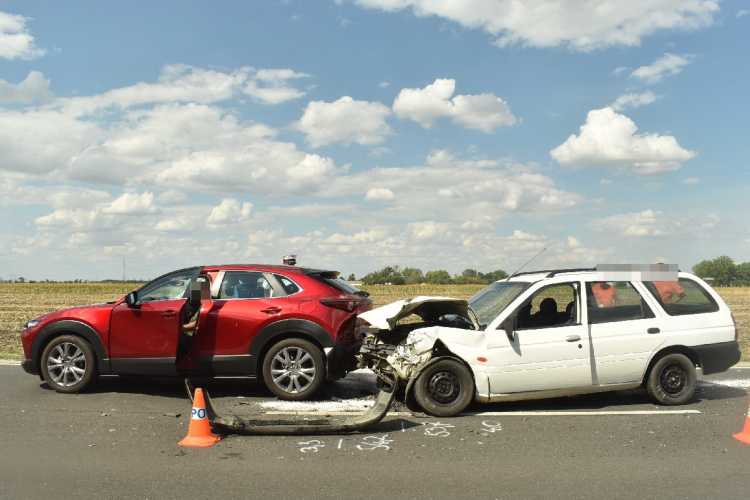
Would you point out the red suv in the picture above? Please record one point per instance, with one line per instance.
(292, 327)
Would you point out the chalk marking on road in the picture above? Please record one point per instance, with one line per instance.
(577, 413)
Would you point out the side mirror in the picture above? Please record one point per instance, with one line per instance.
(131, 299)
(508, 327)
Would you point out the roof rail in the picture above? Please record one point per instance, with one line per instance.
(553, 272)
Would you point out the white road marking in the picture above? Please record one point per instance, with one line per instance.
(577, 413)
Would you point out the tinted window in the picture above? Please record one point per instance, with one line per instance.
(681, 297)
(342, 285)
(289, 286)
(171, 287)
(550, 306)
(244, 285)
(608, 302)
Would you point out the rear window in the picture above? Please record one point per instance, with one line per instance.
(341, 285)
(682, 297)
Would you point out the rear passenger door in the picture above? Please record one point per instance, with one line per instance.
(244, 302)
(623, 335)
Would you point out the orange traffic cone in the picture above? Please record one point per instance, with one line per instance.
(199, 433)
(744, 436)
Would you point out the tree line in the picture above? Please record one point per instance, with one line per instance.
(395, 275)
(722, 271)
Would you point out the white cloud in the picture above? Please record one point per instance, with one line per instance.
(668, 64)
(173, 197)
(15, 40)
(345, 120)
(608, 139)
(483, 112)
(458, 190)
(229, 211)
(652, 223)
(34, 88)
(132, 204)
(691, 180)
(635, 100)
(552, 23)
(379, 194)
(273, 88)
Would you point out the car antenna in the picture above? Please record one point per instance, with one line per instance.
(519, 269)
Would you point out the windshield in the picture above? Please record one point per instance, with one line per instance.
(490, 302)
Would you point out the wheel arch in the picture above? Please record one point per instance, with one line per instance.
(69, 327)
(440, 352)
(673, 349)
(287, 329)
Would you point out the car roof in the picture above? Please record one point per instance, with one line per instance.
(274, 268)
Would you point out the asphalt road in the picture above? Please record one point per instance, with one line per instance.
(120, 441)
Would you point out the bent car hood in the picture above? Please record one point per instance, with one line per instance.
(426, 307)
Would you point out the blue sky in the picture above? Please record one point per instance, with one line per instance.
(438, 134)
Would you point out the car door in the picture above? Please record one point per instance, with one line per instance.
(624, 333)
(243, 303)
(145, 334)
(550, 345)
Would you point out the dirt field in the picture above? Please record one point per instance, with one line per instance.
(24, 301)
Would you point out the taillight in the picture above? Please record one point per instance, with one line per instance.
(344, 305)
(736, 330)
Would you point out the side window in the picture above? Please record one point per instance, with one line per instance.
(290, 287)
(619, 301)
(244, 285)
(171, 287)
(681, 297)
(551, 306)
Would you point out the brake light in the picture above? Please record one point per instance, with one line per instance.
(344, 305)
(736, 330)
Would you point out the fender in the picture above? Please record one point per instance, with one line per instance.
(75, 327)
(280, 330)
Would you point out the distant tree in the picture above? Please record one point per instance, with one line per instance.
(703, 269)
(412, 276)
(722, 269)
(439, 277)
(20, 279)
(351, 278)
(469, 273)
(743, 271)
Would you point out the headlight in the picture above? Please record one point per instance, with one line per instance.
(31, 324)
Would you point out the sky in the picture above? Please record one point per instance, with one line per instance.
(141, 137)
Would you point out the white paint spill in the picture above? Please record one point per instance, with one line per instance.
(739, 383)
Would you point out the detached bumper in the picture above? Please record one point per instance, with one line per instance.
(296, 426)
(717, 358)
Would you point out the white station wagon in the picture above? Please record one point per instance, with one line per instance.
(552, 333)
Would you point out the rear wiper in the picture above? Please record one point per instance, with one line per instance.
(361, 293)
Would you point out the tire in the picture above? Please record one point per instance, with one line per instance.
(672, 380)
(294, 369)
(68, 364)
(445, 388)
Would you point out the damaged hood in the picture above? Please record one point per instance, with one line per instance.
(427, 308)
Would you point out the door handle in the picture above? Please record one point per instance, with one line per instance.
(271, 310)
(168, 314)
(653, 330)
(573, 338)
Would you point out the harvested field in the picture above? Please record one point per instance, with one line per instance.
(24, 301)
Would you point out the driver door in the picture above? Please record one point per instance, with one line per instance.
(550, 349)
(145, 336)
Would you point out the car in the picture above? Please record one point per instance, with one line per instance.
(548, 334)
(292, 327)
